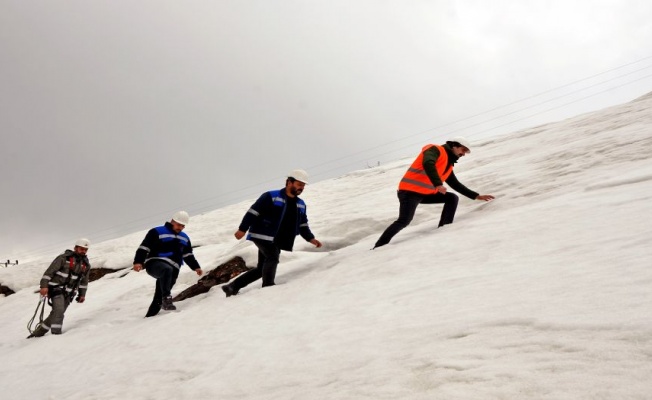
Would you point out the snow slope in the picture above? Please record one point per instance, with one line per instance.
(543, 293)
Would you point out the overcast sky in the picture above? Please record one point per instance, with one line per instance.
(115, 114)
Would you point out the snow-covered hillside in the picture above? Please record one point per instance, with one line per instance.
(544, 293)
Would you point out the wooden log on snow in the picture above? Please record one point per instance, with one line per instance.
(221, 274)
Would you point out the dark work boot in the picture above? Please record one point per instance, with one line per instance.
(269, 273)
(38, 332)
(167, 304)
(229, 290)
(448, 212)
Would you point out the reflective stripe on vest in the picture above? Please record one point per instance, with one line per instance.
(167, 236)
(167, 260)
(416, 179)
(279, 201)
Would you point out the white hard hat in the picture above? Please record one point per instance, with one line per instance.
(299, 175)
(463, 141)
(83, 242)
(181, 217)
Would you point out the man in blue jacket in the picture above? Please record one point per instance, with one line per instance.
(163, 252)
(273, 222)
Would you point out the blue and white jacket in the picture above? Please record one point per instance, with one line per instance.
(163, 243)
(264, 218)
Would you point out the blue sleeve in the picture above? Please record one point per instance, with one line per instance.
(146, 246)
(304, 229)
(260, 207)
(189, 257)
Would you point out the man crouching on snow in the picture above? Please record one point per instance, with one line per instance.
(67, 274)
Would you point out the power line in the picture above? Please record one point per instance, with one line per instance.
(247, 189)
(394, 150)
(491, 110)
(566, 104)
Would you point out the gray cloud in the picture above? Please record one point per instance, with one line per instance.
(115, 114)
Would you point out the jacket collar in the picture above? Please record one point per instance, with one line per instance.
(452, 158)
(78, 257)
(285, 195)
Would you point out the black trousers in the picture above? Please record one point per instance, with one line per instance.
(166, 276)
(408, 206)
(268, 258)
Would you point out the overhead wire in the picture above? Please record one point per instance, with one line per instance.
(106, 233)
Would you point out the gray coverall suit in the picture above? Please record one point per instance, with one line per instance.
(68, 273)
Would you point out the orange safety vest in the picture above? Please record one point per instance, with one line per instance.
(416, 179)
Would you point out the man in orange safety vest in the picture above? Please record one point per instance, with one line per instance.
(424, 181)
